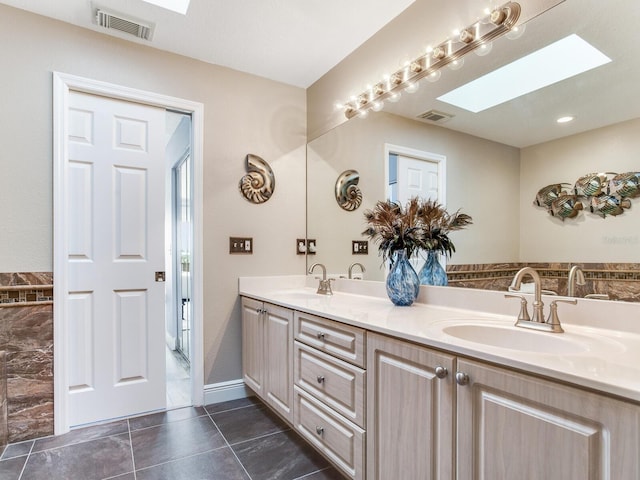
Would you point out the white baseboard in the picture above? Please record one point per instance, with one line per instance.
(225, 391)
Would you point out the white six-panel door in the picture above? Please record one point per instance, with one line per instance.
(115, 212)
(417, 178)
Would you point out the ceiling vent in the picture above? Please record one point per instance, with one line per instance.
(122, 23)
(435, 116)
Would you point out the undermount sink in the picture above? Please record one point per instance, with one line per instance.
(514, 338)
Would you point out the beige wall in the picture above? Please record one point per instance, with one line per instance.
(243, 114)
(588, 237)
(482, 180)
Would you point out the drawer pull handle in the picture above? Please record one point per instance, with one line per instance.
(320, 336)
(441, 372)
(320, 378)
(319, 430)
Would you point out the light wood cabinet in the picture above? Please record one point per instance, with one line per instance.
(335, 338)
(409, 411)
(267, 354)
(422, 414)
(340, 440)
(511, 425)
(329, 406)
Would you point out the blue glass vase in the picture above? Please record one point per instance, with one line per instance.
(403, 284)
(432, 272)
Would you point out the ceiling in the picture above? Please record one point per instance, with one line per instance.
(603, 96)
(290, 41)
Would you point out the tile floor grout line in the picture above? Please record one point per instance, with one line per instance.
(179, 459)
(262, 436)
(133, 457)
(307, 475)
(26, 461)
(233, 452)
(233, 409)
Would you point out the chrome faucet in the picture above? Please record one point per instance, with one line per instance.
(576, 277)
(362, 269)
(324, 287)
(552, 323)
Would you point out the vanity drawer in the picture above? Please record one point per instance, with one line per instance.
(337, 438)
(337, 383)
(337, 339)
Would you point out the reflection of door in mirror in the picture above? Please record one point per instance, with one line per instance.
(414, 173)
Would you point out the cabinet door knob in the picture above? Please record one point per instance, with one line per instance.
(320, 378)
(441, 372)
(320, 336)
(319, 430)
(462, 378)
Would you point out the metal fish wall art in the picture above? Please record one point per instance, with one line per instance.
(604, 193)
(348, 195)
(258, 184)
(625, 185)
(566, 206)
(548, 194)
(604, 205)
(590, 184)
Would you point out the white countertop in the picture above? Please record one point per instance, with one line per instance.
(604, 359)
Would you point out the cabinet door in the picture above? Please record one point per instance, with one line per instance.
(278, 359)
(252, 345)
(409, 411)
(511, 425)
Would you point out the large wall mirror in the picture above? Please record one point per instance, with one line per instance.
(497, 160)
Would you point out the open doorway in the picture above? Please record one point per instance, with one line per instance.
(74, 124)
(180, 256)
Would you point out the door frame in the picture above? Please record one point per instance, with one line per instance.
(62, 84)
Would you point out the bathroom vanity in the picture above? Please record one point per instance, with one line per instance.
(442, 392)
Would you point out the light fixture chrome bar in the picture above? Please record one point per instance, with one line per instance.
(499, 22)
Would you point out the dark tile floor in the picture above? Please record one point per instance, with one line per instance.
(240, 439)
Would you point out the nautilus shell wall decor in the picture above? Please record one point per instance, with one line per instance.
(258, 184)
(600, 193)
(348, 195)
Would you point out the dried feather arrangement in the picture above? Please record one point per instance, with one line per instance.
(420, 225)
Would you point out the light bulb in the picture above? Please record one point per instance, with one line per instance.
(412, 87)
(456, 64)
(516, 32)
(483, 49)
(362, 113)
(434, 76)
(377, 106)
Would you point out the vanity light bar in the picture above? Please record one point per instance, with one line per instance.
(497, 23)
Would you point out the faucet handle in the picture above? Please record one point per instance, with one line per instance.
(553, 318)
(523, 316)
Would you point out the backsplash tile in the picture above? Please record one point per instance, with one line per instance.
(621, 281)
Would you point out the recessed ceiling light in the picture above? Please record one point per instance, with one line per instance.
(566, 119)
(556, 62)
(178, 6)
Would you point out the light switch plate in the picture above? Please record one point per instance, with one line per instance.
(241, 245)
(359, 247)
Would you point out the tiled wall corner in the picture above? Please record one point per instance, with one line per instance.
(26, 337)
(4, 426)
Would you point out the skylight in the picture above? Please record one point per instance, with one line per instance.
(178, 6)
(556, 62)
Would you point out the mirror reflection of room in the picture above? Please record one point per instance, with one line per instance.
(499, 158)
